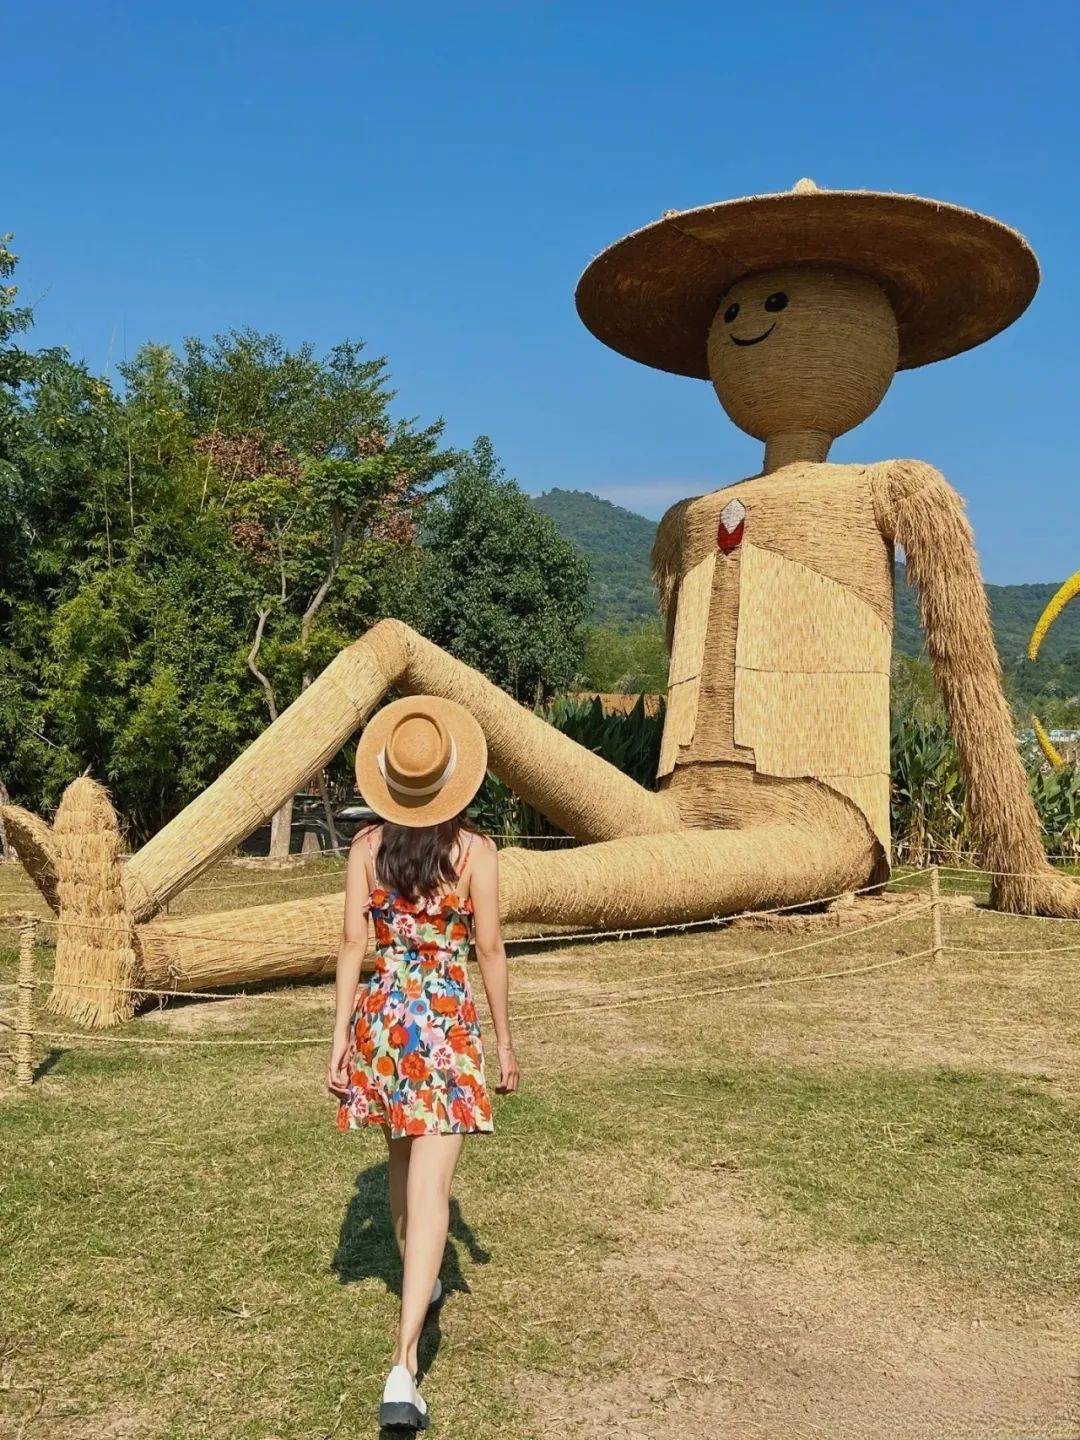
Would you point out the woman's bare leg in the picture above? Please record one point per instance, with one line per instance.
(432, 1160)
(398, 1167)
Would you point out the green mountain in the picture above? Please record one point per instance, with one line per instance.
(617, 542)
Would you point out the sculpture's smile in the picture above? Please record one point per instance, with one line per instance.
(757, 338)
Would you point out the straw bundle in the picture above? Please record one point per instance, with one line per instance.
(234, 947)
(617, 702)
(920, 510)
(94, 938)
(32, 840)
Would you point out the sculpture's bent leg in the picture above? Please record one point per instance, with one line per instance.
(575, 788)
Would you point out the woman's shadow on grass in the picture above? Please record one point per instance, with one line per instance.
(366, 1247)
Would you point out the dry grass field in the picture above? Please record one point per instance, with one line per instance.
(734, 1198)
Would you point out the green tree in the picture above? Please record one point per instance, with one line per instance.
(320, 489)
(180, 553)
(630, 659)
(502, 590)
(57, 468)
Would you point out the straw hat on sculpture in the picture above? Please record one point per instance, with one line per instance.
(773, 784)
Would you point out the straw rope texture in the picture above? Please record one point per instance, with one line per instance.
(774, 763)
(93, 957)
(920, 510)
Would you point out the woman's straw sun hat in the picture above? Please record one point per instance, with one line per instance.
(421, 760)
(954, 277)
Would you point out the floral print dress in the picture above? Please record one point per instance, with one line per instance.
(416, 1061)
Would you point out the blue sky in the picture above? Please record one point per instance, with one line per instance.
(433, 178)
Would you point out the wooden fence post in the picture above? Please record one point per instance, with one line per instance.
(23, 1053)
(935, 914)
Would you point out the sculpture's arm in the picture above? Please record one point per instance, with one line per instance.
(916, 507)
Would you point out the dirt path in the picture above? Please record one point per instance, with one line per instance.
(729, 1326)
(724, 1327)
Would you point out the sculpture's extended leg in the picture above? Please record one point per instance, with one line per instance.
(576, 789)
(691, 875)
(637, 880)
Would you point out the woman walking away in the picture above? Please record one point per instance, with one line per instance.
(407, 1052)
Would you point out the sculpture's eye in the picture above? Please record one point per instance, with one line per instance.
(730, 313)
(776, 301)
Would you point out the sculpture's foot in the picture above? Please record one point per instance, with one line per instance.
(254, 945)
(95, 959)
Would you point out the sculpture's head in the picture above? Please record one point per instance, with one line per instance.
(802, 348)
(800, 307)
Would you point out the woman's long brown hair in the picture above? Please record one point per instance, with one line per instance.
(417, 860)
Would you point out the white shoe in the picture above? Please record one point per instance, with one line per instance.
(438, 1295)
(403, 1407)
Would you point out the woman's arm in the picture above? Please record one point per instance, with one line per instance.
(491, 956)
(350, 959)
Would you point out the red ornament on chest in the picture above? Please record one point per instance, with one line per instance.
(729, 532)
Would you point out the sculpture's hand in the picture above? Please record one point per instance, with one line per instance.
(33, 841)
(1050, 893)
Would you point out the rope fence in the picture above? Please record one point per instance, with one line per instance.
(240, 993)
(21, 1024)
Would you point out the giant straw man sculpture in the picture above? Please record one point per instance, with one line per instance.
(774, 771)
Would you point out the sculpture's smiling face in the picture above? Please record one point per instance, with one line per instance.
(772, 305)
(802, 348)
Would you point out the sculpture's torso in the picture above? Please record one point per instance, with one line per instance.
(782, 633)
